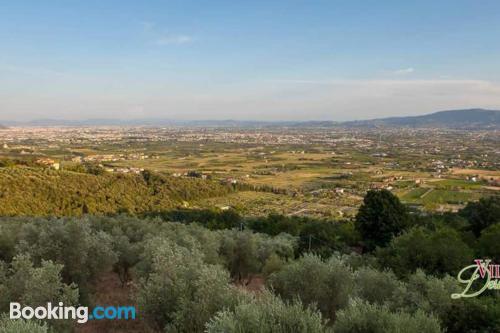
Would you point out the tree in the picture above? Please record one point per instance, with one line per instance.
(180, 292)
(364, 317)
(328, 284)
(381, 217)
(482, 214)
(489, 244)
(268, 314)
(34, 286)
(436, 252)
(83, 253)
(377, 287)
(239, 249)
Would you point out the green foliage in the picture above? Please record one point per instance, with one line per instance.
(432, 295)
(268, 314)
(328, 284)
(273, 264)
(21, 326)
(245, 253)
(185, 273)
(33, 286)
(437, 252)
(211, 219)
(43, 192)
(82, 252)
(361, 317)
(30, 285)
(482, 214)
(380, 217)
(378, 287)
(319, 236)
(489, 242)
(179, 285)
(240, 252)
(275, 224)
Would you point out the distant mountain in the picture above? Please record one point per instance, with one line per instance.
(457, 119)
(2, 127)
(171, 122)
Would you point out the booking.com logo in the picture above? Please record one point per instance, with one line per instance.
(81, 313)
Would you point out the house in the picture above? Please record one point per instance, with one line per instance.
(49, 163)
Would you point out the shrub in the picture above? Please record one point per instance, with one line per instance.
(482, 214)
(82, 252)
(21, 326)
(327, 284)
(361, 317)
(489, 245)
(436, 252)
(268, 314)
(180, 285)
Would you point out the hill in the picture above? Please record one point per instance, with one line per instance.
(42, 192)
(459, 119)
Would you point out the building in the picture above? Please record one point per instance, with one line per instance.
(49, 163)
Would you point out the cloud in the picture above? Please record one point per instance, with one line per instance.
(147, 25)
(161, 37)
(174, 39)
(291, 99)
(404, 71)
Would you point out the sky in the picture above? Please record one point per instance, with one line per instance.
(246, 60)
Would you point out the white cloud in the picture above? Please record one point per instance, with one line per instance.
(304, 99)
(174, 39)
(404, 71)
(161, 37)
(147, 25)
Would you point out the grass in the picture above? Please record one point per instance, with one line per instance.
(414, 195)
(447, 197)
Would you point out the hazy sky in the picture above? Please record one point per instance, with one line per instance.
(267, 60)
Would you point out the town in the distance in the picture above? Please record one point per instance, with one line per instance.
(312, 169)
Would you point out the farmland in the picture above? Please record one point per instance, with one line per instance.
(317, 172)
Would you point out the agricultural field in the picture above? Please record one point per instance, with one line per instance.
(292, 171)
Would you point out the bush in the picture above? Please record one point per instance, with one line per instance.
(273, 264)
(377, 287)
(482, 214)
(21, 326)
(328, 284)
(489, 245)
(83, 253)
(34, 286)
(361, 317)
(436, 252)
(179, 285)
(268, 314)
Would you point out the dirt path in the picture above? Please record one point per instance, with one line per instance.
(427, 192)
(110, 292)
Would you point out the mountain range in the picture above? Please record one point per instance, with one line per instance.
(463, 119)
(454, 119)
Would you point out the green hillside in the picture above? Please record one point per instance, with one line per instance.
(35, 192)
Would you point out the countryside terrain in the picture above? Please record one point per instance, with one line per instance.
(250, 229)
